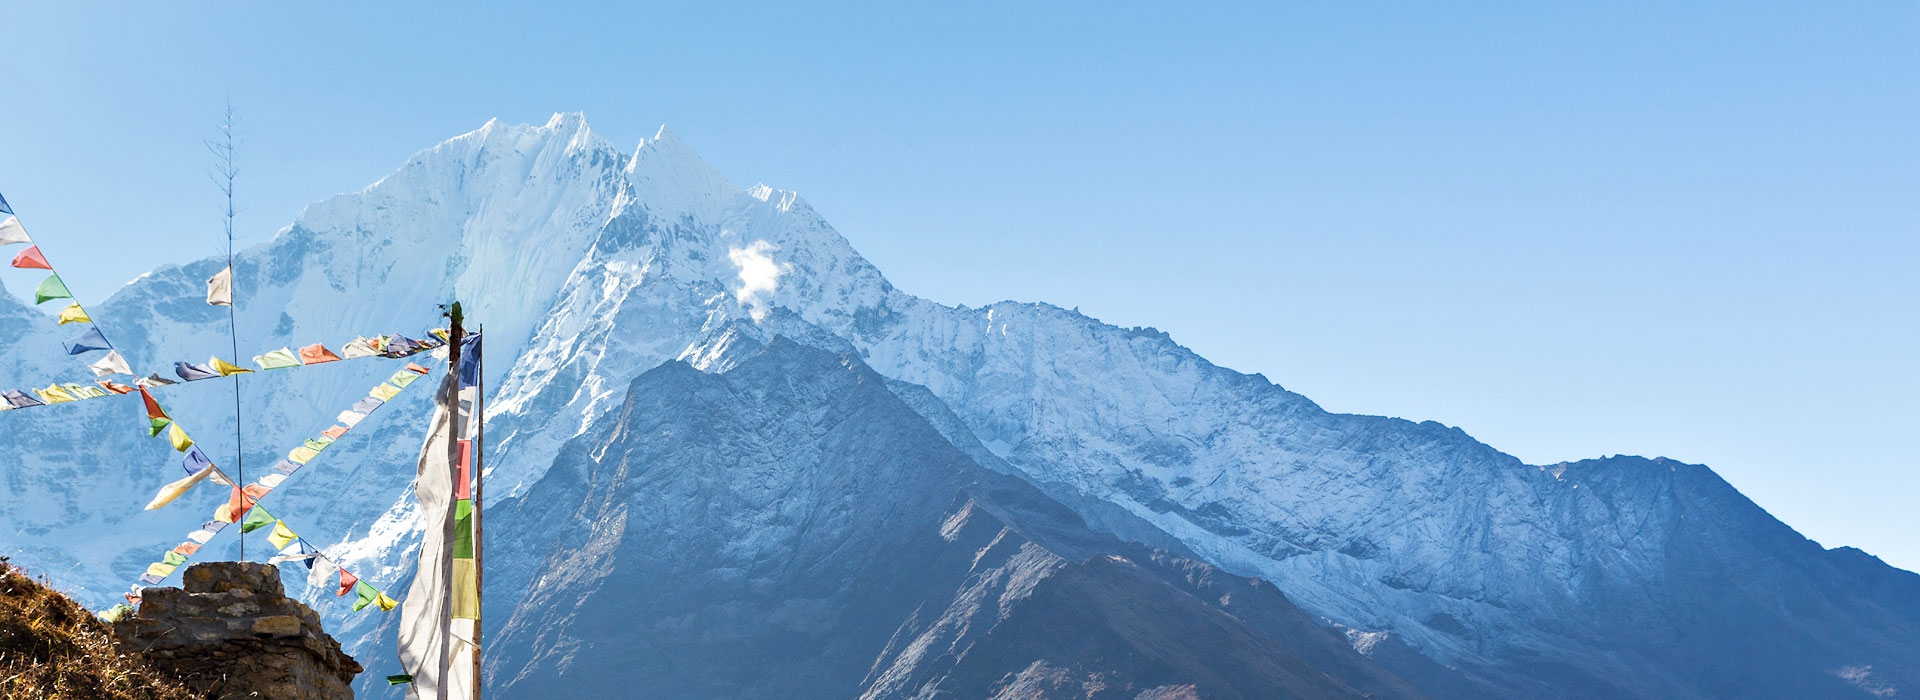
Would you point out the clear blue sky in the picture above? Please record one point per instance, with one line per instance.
(1572, 231)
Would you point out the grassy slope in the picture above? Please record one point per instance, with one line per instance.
(52, 648)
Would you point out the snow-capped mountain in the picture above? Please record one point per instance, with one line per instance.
(1462, 569)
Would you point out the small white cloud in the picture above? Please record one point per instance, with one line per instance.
(759, 276)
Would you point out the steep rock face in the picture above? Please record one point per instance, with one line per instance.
(792, 529)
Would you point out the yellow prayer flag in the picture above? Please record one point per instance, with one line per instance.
(281, 535)
(54, 394)
(386, 603)
(174, 490)
(225, 368)
(178, 437)
(301, 454)
(161, 570)
(74, 314)
(384, 392)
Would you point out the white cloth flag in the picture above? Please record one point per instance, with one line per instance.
(173, 491)
(110, 365)
(426, 642)
(220, 288)
(322, 574)
(360, 347)
(11, 233)
(292, 552)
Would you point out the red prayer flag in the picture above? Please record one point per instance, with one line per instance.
(417, 369)
(186, 549)
(238, 504)
(153, 407)
(463, 472)
(335, 432)
(31, 259)
(115, 387)
(316, 353)
(255, 491)
(347, 579)
(131, 600)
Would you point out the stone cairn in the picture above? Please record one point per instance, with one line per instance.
(233, 633)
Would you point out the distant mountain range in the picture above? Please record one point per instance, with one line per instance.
(729, 459)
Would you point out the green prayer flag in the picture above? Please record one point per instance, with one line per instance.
(402, 378)
(463, 529)
(50, 289)
(367, 594)
(319, 443)
(257, 518)
(156, 425)
(174, 559)
(401, 679)
(278, 359)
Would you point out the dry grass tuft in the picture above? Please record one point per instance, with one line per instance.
(51, 648)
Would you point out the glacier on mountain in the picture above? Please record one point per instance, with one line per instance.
(588, 267)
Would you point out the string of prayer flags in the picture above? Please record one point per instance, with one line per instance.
(220, 288)
(278, 359)
(87, 342)
(316, 353)
(74, 314)
(50, 289)
(11, 233)
(192, 373)
(225, 368)
(242, 501)
(110, 365)
(54, 394)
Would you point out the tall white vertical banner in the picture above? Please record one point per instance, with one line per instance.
(425, 631)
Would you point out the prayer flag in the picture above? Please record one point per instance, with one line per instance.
(31, 259)
(74, 314)
(83, 392)
(173, 558)
(401, 378)
(360, 347)
(187, 548)
(155, 425)
(323, 569)
(11, 233)
(350, 418)
(225, 368)
(384, 392)
(192, 372)
(281, 535)
(399, 679)
(278, 359)
(319, 443)
(302, 454)
(154, 379)
(366, 405)
(110, 365)
(54, 394)
(195, 460)
(257, 518)
(112, 386)
(367, 595)
(220, 288)
(386, 603)
(299, 551)
(178, 437)
(271, 481)
(238, 505)
(334, 432)
(316, 353)
(153, 407)
(159, 570)
(19, 399)
(285, 467)
(50, 289)
(89, 341)
(173, 491)
(401, 346)
(417, 369)
(347, 581)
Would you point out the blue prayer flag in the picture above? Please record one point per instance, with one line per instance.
(195, 460)
(192, 372)
(87, 342)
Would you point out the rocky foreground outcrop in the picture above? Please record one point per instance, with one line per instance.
(231, 632)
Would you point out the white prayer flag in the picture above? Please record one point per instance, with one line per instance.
(220, 288)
